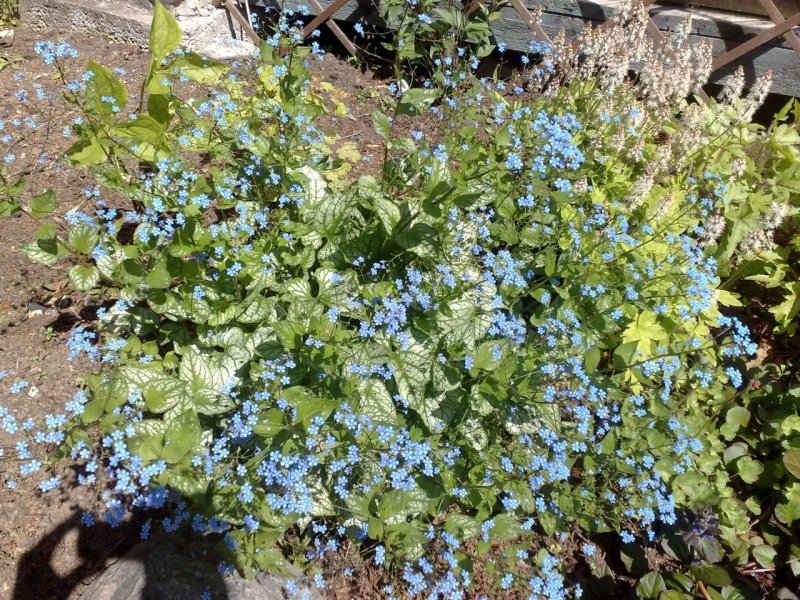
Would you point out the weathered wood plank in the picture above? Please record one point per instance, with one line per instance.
(706, 22)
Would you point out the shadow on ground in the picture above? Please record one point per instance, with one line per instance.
(174, 566)
(36, 577)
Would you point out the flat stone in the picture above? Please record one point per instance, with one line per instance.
(181, 568)
(206, 30)
(37, 310)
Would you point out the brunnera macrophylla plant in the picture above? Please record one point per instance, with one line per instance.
(489, 349)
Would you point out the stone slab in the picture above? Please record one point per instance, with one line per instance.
(206, 30)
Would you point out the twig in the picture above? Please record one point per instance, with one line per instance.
(344, 137)
(767, 570)
(701, 586)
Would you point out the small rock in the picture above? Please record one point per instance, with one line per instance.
(33, 391)
(36, 310)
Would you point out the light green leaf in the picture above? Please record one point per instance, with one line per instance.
(765, 555)
(200, 69)
(203, 370)
(381, 123)
(158, 277)
(644, 330)
(463, 525)
(791, 460)
(83, 238)
(43, 204)
(105, 85)
(416, 100)
(84, 277)
(42, 251)
(550, 261)
(258, 310)
(142, 129)
(790, 424)
(9, 208)
(788, 309)
(182, 436)
(749, 469)
(86, 151)
(165, 34)
(388, 212)
(787, 512)
(592, 358)
(376, 402)
(396, 505)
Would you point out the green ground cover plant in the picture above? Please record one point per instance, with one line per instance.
(516, 349)
(9, 13)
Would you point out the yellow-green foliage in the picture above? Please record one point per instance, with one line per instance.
(9, 12)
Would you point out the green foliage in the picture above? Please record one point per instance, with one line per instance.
(516, 331)
(9, 13)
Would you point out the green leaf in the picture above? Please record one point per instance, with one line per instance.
(158, 277)
(270, 560)
(142, 129)
(376, 402)
(463, 525)
(44, 251)
(650, 586)
(200, 69)
(738, 415)
(104, 85)
(160, 392)
(388, 212)
(765, 555)
(381, 123)
(44, 204)
(643, 330)
(506, 527)
(165, 36)
(787, 512)
(634, 559)
(86, 151)
(711, 574)
(550, 261)
(258, 310)
(83, 238)
(203, 370)
(749, 469)
(734, 451)
(592, 358)
(396, 505)
(84, 277)
(787, 310)
(625, 355)
(158, 108)
(46, 232)
(791, 460)
(8, 208)
(675, 595)
(182, 436)
(415, 100)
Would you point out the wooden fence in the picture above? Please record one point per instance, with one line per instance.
(763, 37)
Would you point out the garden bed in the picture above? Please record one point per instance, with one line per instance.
(453, 333)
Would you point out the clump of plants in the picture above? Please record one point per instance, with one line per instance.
(9, 13)
(497, 349)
